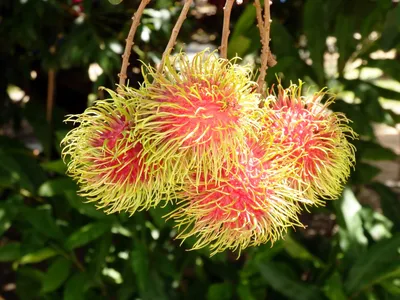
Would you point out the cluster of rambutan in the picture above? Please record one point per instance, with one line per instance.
(195, 134)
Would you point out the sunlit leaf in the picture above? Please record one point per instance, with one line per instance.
(352, 238)
(115, 2)
(38, 256)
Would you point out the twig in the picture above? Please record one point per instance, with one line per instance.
(51, 82)
(260, 22)
(51, 76)
(264, 26)
(261, 27)
(225, 29)
(175, 32)
(129, 41)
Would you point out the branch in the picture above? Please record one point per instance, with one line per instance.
(129, 41)
(264, 26)
(50, 94)
(225, 29)
(175, 32)
(261, 27)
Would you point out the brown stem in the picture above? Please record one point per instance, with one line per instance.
(266, 56)
(129, 41)
(267, 23)
(50, 94)
(225, 28)
(260, 21)
(261, 27)
(175, 32)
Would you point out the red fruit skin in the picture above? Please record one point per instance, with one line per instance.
(249, 205)
(200, 118)
(313, 139)
(120, 158)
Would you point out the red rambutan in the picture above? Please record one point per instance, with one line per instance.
(195, 114)
(313, 138)
(249, 205)
(104, 156)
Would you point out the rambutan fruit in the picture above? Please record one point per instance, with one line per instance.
(250, 205)
(195, 113)
(314, 139)
(104, 156)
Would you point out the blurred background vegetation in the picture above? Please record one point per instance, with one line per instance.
(55, 54)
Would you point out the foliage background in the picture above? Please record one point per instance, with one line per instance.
(54, 246)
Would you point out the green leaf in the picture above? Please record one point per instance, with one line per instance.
(370, 102)
(56, 166)
(31, 168)
(140, 266)
(391, 30)
(245, 21)
(40, 125)
(38, 256)
(158, 215)
(383, 92)
(354, 112)
(86, 234)
(296, 250)
(392, 286)
(380, 262)
(245, 292)
(373, 151)
(346, 44)
(8, 211)
(15, 172)
(56, 187)
(10, 252)
(150, 284)
(76, 286)
(333, 288)
(57, 273)
(220, 291)
(389, 202)
(84, 208)
(351, 233)
(238, 46)
(388, 66)
(364, 173)
(22, 167)
(28, 281)
(115, 2)
(263, 254)
(314, 14)
(43, 222)
(102, 249)
(283, 42)
(276, 275)
(376, 224)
